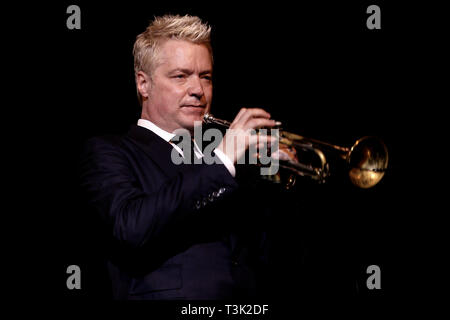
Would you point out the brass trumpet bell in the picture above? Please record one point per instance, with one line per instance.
(368, 161)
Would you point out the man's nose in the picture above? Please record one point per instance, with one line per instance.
(195, 88)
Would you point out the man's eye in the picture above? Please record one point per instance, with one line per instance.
(209, 78)
(179, 76)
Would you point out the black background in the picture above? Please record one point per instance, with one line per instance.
(313, 66)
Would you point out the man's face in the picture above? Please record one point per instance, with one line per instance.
(180, 88)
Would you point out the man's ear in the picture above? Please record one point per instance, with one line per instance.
(144, 84)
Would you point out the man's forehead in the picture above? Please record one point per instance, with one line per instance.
(180, 53)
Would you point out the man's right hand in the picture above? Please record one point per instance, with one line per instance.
(239, 136)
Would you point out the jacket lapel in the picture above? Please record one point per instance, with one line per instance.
(158, 150)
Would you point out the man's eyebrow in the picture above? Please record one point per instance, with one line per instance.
(188, 71)
(205, 72)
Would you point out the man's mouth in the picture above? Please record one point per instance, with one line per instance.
(201, 106)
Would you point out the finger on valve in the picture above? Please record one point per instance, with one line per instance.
(285, 153)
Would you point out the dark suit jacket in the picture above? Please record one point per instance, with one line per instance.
(175, 231)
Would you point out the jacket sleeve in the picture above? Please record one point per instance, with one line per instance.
(137, 217)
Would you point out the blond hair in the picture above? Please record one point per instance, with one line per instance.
(148, 43)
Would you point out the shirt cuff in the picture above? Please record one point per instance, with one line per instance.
(226, 162)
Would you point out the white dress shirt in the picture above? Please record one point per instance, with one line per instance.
(167, 136)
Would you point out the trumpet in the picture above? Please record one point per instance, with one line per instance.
(366, 160)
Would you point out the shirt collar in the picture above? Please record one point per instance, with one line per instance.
(167, 136)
